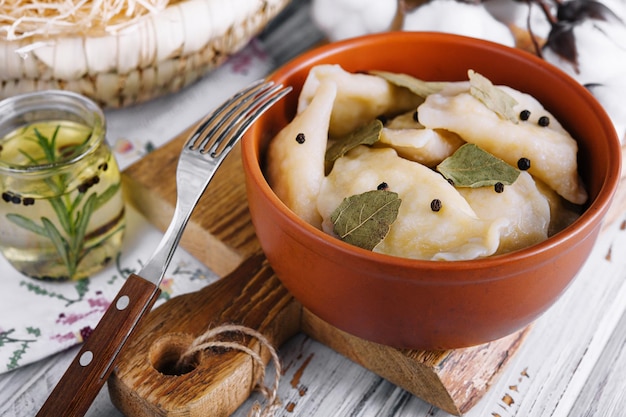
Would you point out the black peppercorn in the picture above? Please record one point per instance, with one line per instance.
(28, 201)
(523, 164)
(15, 199)
(103, 166)
(435, 205)
(524, 114)
(6, 197)
(382, 186)
(300, 138)
(498, 187)
(543, 121)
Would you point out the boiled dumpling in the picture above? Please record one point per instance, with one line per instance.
(436, 220)
(551, 150)
(522, 203)
(415, 142)
(562, 213)
(405, 120)
(452, 233)
(295, 157)
(360, 97)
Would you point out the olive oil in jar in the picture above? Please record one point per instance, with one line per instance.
(62, 211)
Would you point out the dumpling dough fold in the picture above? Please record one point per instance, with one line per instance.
(415, 142)
(360, 97)
(551, 150)
(295, 168)
(527, 209)
(452, 233)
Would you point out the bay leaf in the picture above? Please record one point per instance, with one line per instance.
(471, 166)
(418, 87)
(493, 97)
(364, 219)
(365, 135)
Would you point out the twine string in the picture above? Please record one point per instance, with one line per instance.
(205, 341)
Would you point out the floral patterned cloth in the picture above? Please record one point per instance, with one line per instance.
(38, 319)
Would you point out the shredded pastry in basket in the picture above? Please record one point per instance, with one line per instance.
(21, 19)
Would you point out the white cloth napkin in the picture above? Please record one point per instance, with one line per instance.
(38, 319)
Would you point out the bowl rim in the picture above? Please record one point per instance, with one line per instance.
(568, 238)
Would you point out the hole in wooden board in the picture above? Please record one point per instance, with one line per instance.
(166, 352)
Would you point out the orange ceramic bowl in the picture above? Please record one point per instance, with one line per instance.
(432, 304)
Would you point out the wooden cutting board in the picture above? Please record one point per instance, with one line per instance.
(220, 234)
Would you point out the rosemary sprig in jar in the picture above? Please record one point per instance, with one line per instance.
(73, 209)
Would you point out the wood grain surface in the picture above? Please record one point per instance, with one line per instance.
(147, 382)
(219, 231)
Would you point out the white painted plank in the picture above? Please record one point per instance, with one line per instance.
(565, 344)
(604, 393)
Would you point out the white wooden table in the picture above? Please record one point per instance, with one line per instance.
(572, 364)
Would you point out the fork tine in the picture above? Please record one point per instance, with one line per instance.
(242, 118)
(232, 112)
(254, 113)
(217, 114)
(213, 135)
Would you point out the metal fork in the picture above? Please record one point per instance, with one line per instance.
(200, 158)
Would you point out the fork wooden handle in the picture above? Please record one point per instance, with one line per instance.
(93, 364)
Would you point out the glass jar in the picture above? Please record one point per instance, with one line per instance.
(62, 211)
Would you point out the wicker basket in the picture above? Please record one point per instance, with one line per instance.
(132, 67)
